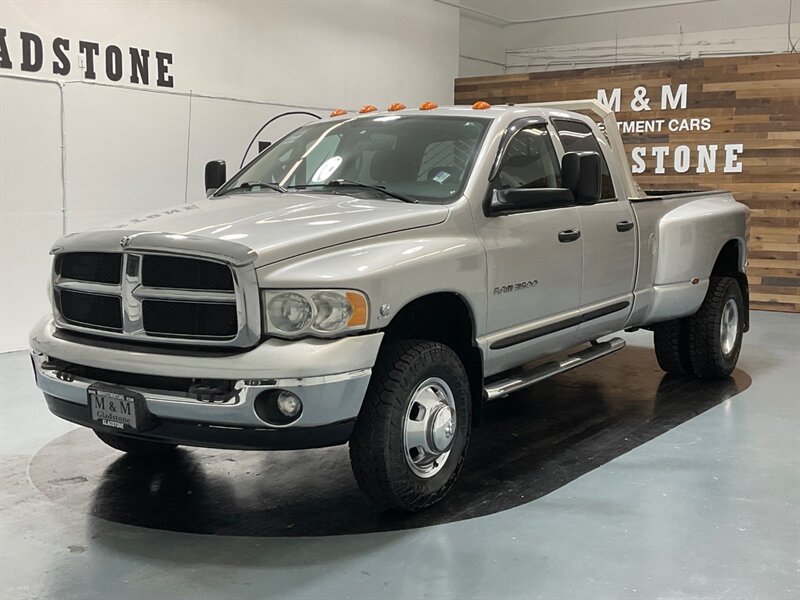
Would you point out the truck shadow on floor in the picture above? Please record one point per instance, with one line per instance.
(529, 445)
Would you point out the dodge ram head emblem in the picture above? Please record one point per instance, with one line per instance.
(126, 241)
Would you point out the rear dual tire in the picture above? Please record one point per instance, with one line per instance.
(671, 340)
(706, 344)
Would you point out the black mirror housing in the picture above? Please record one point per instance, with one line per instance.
(515, 200)
(581, 173)
(215, 175)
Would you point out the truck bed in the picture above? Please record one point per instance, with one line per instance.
(680, 236)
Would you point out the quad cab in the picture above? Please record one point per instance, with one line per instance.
(373, 279)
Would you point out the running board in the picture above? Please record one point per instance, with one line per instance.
(503, 387)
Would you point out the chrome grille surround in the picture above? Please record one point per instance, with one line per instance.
(137, 247)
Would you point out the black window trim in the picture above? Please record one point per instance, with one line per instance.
(513, 129)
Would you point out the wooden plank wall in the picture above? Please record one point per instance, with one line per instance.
(753, 101)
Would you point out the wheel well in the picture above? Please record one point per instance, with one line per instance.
(728, 263)
(446, 318)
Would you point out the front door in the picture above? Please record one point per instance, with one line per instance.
(534, 259)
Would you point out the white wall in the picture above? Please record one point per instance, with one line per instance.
(482, 48)
(654, 33)
(128, 148)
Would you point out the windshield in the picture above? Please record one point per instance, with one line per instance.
(425, 158)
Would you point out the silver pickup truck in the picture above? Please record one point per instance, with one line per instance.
(376, 278)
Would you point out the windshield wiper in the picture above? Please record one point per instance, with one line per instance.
(250, 185)
(350, 182)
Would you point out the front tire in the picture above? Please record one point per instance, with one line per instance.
(409, 442)
(134, 447)
(715, 330)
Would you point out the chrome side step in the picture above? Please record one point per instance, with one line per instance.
(503, 387)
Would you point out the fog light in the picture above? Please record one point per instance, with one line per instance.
(278, 407)
(288, 404)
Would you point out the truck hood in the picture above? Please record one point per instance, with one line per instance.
(278, 226)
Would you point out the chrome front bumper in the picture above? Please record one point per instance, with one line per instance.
(329, 376)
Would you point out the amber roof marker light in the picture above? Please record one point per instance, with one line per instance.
(338, 112)
(397, 106)
(481, 105)
(428, 106)
(368, 108)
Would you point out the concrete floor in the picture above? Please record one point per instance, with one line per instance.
(709, 509)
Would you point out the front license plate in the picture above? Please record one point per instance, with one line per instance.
(116, 408)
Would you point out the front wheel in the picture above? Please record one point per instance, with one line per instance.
(411, 436)
(715, 330)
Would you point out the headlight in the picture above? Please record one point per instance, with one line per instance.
(289, 313)
(314, 312)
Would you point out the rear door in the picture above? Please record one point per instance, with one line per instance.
(609, 243)
(534, 270)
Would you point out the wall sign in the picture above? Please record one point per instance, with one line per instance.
(672, 98)
(730, 123)
(30, 53)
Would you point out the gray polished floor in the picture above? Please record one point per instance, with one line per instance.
(709, 509)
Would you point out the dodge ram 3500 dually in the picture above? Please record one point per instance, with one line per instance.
(375, 278)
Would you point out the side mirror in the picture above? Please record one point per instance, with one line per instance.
(514, 200)
(580, 172)
(215, 176)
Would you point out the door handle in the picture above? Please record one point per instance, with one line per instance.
(569, 235)
(624, 226)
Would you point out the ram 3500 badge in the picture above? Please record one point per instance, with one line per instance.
(374, 279)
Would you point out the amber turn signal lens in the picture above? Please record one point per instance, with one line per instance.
(481, 105)
(368, 108)
(397, 106)
(428, 106)
(359, 304)
(338, 112)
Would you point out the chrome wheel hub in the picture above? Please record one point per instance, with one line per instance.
(729, 326)
(429, 428)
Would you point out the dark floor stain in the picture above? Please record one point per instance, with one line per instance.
(529, 445)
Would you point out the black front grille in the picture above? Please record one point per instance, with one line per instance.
(207, 308)
(178, 272)
(91, 310)
(190, 319)
(99, 267)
